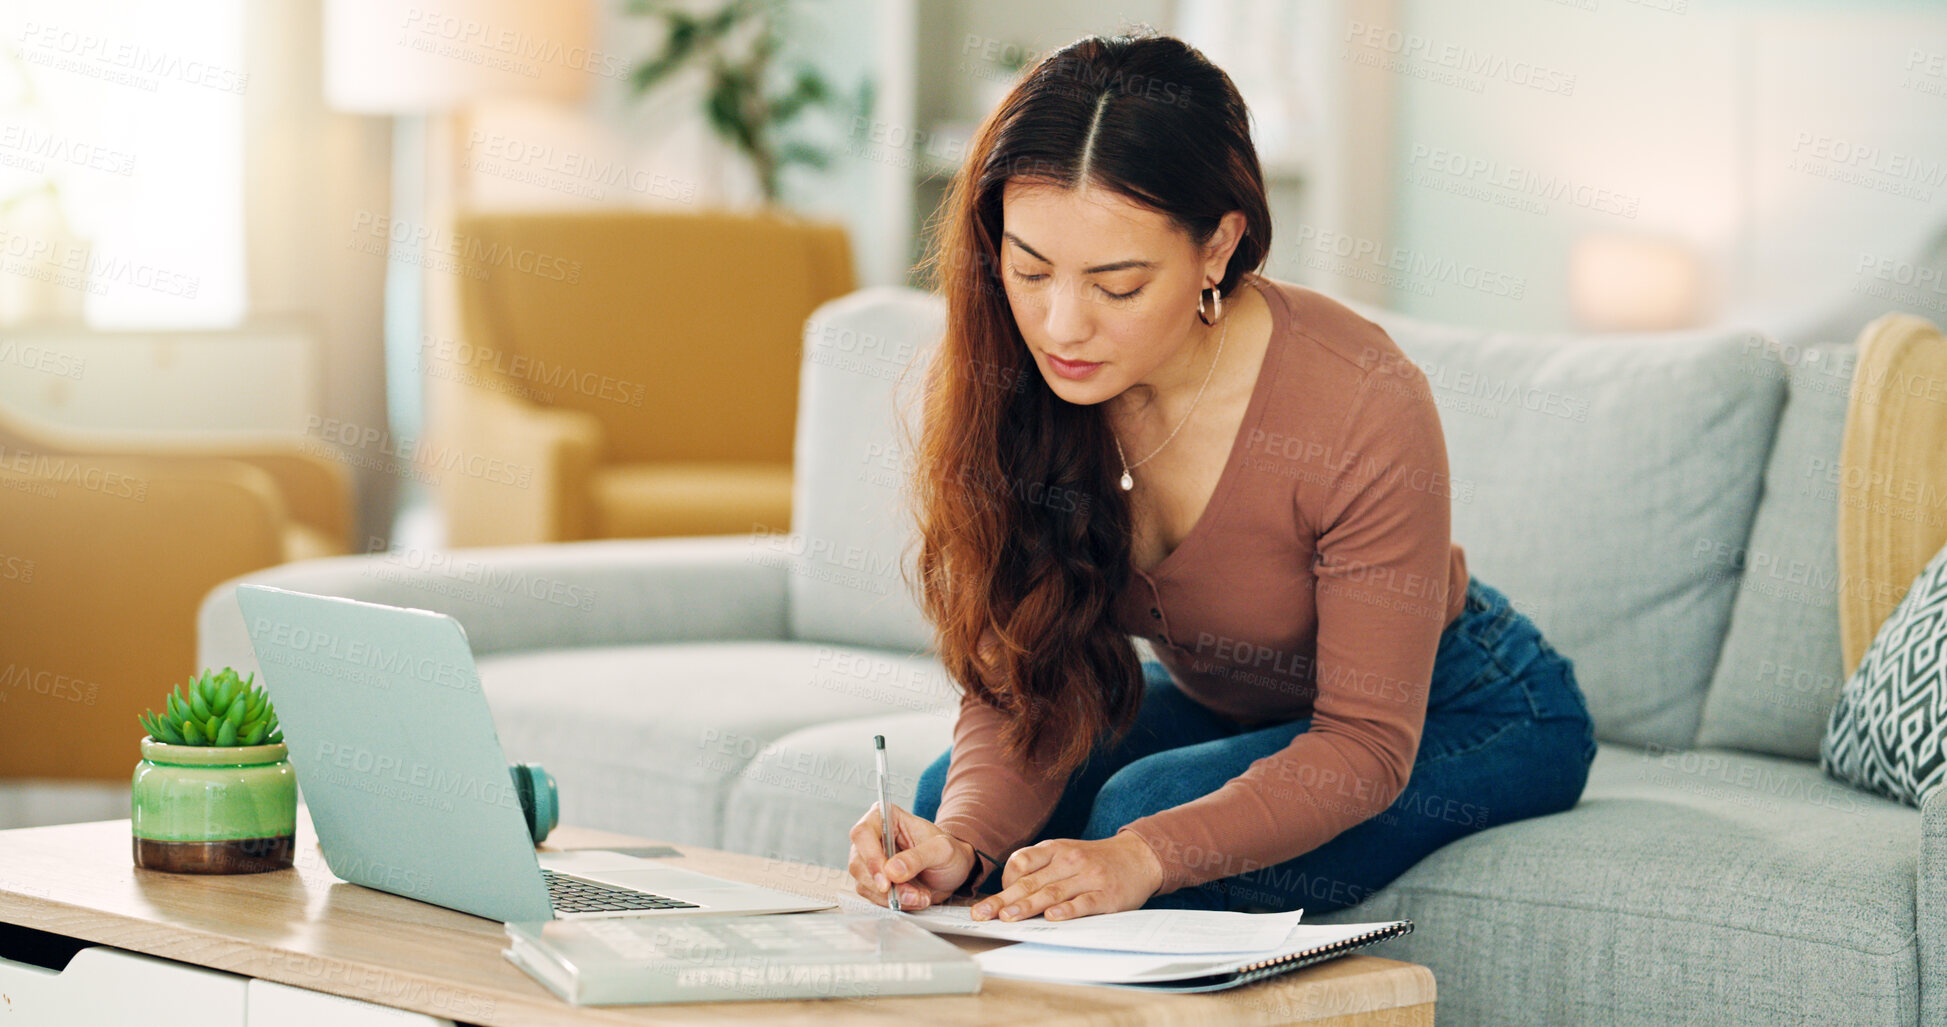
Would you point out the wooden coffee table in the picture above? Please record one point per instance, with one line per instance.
(305, 928)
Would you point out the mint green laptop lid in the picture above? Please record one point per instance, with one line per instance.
(395, 751)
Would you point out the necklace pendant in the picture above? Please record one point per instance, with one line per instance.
(1127, 482)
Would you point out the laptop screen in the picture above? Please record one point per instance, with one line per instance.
(395, 752)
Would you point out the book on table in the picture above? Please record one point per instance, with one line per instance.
(633, 960)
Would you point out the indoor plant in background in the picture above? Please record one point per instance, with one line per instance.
(749, 101)
(214, 792)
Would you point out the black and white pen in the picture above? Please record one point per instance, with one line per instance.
(885, 817)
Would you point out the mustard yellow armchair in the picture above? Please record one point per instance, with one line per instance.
(108, 541)
(316, 490)
(625, 373)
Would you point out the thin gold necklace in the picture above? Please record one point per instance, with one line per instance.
(1128, 481)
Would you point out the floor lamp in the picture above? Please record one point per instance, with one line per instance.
(421, 64)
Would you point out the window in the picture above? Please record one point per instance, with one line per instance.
(121, 159)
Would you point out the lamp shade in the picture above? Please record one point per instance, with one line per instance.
(1624, 282)
(387, 57)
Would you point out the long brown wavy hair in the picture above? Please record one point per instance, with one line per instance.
(1024, 537)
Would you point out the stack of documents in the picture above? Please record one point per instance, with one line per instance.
(1152, 949)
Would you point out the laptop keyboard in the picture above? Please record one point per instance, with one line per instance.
(572, 895)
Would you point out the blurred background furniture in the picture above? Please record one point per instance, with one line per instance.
(108, 540)
(1658, 503)
(635, 371)
(1893, 513)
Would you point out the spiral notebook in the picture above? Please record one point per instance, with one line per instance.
(1148, 971)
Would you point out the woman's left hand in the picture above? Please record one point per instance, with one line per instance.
(1063, 878)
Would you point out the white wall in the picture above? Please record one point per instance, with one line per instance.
(953, 37)
(257, 380)
(1697, 117)
(664, 142)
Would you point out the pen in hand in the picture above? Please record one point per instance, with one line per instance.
(885, 818)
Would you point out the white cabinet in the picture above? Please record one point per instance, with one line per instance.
(281, 1005)
(109, 987)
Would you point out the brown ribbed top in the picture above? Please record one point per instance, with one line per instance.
(1315, 584)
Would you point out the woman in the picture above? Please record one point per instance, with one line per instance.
(1128, 431)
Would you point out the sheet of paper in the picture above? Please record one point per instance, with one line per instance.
(1035, 962)
(1173, 931)
(1042, 962)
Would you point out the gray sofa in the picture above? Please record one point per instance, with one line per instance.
(1662, 506)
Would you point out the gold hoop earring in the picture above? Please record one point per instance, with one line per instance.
(1216, 305)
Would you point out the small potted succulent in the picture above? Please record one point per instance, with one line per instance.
(214, 792)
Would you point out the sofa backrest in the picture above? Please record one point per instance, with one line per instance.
(852, 532)
(1781, 667)
(1600, 481)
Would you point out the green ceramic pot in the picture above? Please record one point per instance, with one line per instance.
(214, 809)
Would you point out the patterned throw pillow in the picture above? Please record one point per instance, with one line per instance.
(1888, 734)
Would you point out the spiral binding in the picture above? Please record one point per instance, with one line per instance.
(1296, 960)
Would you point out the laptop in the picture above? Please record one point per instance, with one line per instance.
(396, 756)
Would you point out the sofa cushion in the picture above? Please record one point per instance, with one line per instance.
(648, 739)
(851, 527)
(1781, 666)
(1589, 470)
(1889, 729)
(800, 797)
(1686, 886)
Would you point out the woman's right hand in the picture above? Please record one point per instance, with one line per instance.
(930, 865)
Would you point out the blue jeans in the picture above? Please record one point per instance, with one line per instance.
(1507, 736)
